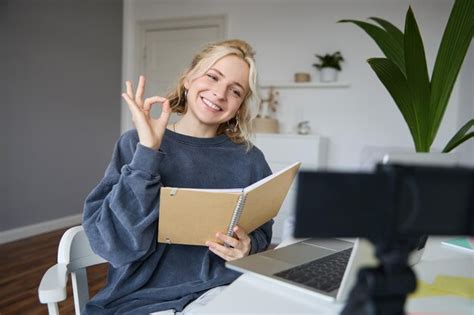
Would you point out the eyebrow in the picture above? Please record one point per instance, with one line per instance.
(222, 75)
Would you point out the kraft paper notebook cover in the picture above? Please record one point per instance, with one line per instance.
(193, 216)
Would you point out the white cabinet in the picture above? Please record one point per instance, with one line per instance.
(282, 150)
(304, 85)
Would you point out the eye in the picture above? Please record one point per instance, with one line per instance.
(212, 76)
(236, 92)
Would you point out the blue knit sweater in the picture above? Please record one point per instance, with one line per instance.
(121, 213)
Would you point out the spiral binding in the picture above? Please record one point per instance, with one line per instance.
(237, 212)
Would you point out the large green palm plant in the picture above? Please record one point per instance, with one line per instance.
(405, 74)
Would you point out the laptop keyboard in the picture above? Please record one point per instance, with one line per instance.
(324, 274)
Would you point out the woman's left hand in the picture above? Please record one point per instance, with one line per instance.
(239, 246)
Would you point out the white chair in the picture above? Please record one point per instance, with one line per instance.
(74, 256)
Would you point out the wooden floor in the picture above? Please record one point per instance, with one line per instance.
(22, 265)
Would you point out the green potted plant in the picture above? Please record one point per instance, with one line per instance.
(328, 66)
(404, 73)
(421, 101)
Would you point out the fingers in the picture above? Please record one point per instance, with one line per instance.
(240, 246)
(241, 241)
(138, 96)
(140, 91)
(157, 99)
(166, 106)
(152, 100)
(225, 253)
(137, 99)
(166, 112)
(148, 103)
(131, 104)
(242, 235)
(228, 240)
(128, 84)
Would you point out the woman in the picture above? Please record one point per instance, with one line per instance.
(207, 148)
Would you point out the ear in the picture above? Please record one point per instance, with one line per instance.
(186, 83)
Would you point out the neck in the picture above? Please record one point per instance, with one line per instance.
(190, 127)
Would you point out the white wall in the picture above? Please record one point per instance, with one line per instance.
(287, 34)
(466, 105)
(60, 63)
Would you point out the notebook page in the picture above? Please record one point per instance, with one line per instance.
(270, 177)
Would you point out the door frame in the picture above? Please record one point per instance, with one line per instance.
(141, 27)
(219, 21)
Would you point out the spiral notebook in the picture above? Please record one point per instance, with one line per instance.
(193, 216)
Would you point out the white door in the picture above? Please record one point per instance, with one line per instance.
(168, 48)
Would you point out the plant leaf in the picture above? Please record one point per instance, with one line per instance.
(388, 44)
(452, 50)
(391, 29)
(417, 78)
(396, 84)
(458, 142)
(460, 136)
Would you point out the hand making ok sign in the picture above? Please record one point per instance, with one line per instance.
(150, 130)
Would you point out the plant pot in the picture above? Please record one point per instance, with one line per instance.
(265, 125)
(328, 75)
(422, 159)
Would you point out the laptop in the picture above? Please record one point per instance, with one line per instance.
(325, 268)
(324, 202)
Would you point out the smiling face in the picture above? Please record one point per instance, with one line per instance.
(216, 96)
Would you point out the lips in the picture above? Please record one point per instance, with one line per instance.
(211, 105)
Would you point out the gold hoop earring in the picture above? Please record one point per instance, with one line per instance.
(234, 127)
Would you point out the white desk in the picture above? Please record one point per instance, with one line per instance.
(254, 295)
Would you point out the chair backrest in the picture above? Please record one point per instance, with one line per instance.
(76, 253)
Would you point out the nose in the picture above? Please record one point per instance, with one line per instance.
(220, 91)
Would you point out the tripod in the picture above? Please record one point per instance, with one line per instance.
(383, 289)
(392, 207)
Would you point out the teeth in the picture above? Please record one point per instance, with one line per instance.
(210, 104)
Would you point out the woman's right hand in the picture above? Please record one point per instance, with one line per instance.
(150, 130)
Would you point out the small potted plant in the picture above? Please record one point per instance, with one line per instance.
(328, 66)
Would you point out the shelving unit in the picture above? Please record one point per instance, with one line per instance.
(295, 99)
(282, 150)
(303, 85)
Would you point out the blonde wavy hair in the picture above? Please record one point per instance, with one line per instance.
(237, 132)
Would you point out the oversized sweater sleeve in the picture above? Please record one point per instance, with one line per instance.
(121, 212)
(261, 238)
